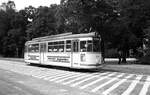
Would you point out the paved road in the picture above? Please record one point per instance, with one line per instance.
(100, 83)
(10, 84)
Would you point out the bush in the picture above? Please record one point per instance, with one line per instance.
(145, 59)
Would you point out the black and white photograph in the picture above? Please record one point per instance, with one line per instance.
(74, 47)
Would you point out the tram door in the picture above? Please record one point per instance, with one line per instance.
(75, 53)
(42, 52)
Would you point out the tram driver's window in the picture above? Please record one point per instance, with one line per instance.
(83, 46)
(89, 46)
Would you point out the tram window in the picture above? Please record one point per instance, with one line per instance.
(61, 48)
(96, 46)
(50, 48)
(56, 46)
(68, 48)
(51, 43)
(55, 49)
(68, 42)
(89, 46)
(33, 48)
(83, 46)
(56, 43)
(61, 42)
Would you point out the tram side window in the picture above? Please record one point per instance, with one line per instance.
(61, 46)
(33, 48)
(57, 46)
(50, 46)
(68, 46)
(83, 46)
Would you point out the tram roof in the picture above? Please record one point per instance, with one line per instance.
(63, 36)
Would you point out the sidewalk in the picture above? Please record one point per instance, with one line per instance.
(116, 59)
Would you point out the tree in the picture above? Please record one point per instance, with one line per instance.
(43, 23)
(12, 26)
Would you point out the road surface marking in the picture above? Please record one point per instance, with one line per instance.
(49, 73)
(54, 76)
(77, 83)
(73, 76)
(132, 85)
(59, 77)
(145, 86)
(77, 79)
(106, 83)
(106, 92)
(39, 74)
(101, 78)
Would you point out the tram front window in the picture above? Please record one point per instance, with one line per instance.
(96, 45)
(86, 46)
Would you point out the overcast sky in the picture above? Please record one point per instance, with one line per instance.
(21, 4)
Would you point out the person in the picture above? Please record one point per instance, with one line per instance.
(119, 55)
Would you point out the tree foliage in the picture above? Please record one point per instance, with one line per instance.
(126, 20)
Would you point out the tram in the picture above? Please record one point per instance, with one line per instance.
(67, 49)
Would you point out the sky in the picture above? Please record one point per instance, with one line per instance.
(21, 4)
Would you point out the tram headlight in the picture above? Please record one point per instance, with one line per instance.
(83, 58)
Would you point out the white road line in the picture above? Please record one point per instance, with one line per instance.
(77, 83)
(132, 85)
(106, 83)
(145, 86)
(101, 78)
(84, 76)
(54, 76)
(76, 75)
(106, 92)
(39, 74)
(62, 76)
(47, 74)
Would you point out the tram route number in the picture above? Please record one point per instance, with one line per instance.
(64, 59)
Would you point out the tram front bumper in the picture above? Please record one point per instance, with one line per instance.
(91, 66)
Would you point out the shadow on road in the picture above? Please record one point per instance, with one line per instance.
(100, 70)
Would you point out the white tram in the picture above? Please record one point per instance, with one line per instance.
(68, 50)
